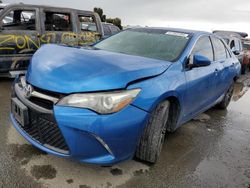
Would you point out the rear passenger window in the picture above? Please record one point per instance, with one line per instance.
(20, 20)
(219, 49)
(87, 23)
(204, 47)
(57, 21)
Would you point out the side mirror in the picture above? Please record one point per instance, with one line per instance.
(199, 61)
(235, 51)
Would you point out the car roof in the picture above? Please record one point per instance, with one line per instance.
(165, 29)
(231, 33)
(40, 6)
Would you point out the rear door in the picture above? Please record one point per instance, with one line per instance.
(200, 80)
(20, 27)
(225, 66)
(58, 27)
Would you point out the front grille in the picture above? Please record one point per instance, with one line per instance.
(47, 104)
(42, 102)
(43, 128)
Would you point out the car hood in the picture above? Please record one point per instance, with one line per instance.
(69, 70)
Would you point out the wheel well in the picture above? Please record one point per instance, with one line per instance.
(235, 78)
(174, 113)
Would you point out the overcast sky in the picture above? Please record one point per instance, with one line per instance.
(194, 14)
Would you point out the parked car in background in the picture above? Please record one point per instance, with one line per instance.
(108, 28)
(24, 28)
(246, 46)
(234, 41)
(117, 100)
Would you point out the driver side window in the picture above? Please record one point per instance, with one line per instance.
(204, 47)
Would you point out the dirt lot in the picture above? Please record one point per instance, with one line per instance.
(211, 151)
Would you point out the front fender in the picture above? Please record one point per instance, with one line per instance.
(171, 83)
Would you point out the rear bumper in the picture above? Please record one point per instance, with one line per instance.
(93, 138)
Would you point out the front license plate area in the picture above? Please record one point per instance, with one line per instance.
(20, 112)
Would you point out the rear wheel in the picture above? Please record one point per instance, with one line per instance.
(227, 98)
(153, 136)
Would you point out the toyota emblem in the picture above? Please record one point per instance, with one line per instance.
(28, 91)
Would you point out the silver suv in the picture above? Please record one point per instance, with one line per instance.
(234, 41)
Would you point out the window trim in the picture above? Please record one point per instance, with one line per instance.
(201, 36)
(79, 23)
(223, 43)
(56, 11)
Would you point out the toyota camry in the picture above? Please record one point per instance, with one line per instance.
(117, 99)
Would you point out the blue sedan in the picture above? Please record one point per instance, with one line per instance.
(118, 98)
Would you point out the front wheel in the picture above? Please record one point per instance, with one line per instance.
(227, 98)
(153, 137)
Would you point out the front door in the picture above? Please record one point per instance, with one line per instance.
(19, 33)
(200, 80)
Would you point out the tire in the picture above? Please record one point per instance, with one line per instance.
(227, 98)
(153, 136)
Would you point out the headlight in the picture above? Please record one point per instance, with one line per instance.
(103, 102)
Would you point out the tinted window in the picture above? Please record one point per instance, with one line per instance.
(20, 20)
(232, 44)
(55, 21)
(152, 43)
(204, 47)
(219, 49)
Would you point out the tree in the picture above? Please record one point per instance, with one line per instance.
(100, 12)
(116, 21)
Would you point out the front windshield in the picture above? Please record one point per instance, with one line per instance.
(152, 43)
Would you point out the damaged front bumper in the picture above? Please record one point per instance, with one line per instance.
(81, 134)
